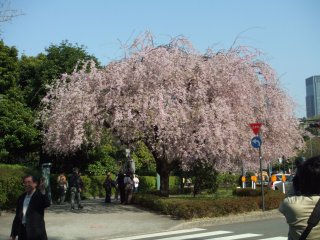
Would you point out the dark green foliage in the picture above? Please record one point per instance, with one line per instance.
(105, 163)
(144, 161)
(18, 133)
(9, 71)
(19, 138)
(37, 72)
(103, 158)
(31, 79)
(204, 177)
(227, 180)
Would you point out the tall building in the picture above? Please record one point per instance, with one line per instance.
(313, 96)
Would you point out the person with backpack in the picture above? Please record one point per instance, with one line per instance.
(129, 186)
(76, 186)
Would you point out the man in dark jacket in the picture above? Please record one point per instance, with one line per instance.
(76, 186)
(28, 223)
(120, 182)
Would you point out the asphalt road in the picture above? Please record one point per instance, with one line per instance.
(273, 227)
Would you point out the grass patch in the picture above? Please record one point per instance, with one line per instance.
(219, 194)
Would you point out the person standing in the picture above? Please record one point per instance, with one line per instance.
(28, 223)
(116, 193)
(120, 182)
(76, 186)
(108, 184)
(62, 185)
(135, 182)
(128, 182)
(297, 208)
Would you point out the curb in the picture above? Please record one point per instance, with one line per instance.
(243, 217)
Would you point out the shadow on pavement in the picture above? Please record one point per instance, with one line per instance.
(94, 206)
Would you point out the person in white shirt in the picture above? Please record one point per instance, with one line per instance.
(135, 182)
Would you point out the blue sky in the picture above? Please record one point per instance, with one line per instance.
(287, 31)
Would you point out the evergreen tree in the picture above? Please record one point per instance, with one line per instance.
(19, 138)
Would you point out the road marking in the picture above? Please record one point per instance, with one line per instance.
(239, 236)
(194, 233)
(275, 238)
(160, 234)
(197, 235)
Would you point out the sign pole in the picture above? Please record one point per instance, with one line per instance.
(262, 191)
(256, 142)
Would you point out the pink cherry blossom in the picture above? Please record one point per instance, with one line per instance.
(184, 105)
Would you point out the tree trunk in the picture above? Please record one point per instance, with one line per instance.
(163, 169)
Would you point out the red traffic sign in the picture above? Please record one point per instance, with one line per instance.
(255, 127)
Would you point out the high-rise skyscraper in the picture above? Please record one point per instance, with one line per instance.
(313, 96)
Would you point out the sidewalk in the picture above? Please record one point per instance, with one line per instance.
(100, 221)
(95, 221)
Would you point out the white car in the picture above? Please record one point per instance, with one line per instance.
(278, 184)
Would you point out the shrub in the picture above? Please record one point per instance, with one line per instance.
(147, 183)
(188, 208)
(204, 176)
(248, 192)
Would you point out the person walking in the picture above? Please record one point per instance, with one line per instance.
(62, 185)
(28, 223)
(108, 185)
(128, 182)
(297, 208)
(76, 186)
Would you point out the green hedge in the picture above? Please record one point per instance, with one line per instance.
(11, 183)
(189, 208)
